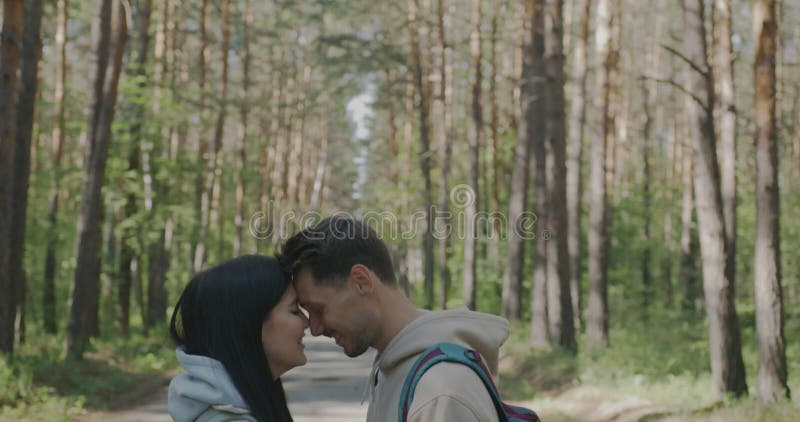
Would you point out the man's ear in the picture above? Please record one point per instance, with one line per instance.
(363, 279)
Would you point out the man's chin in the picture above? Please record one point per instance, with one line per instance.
(356, 352)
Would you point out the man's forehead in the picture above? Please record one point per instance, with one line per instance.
(306, 287)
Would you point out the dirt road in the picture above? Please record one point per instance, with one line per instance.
(328, 389)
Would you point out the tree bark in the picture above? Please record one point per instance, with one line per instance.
(772, 370)
(444, 133)
(243, 121)
(48, 289)
(110, 36)
(217, 153)
(725, 119)
(201, 191)
(29, 72)
(606, 58)
(559, 302)
(727, 366)
(541, 334)
(424, 152)
(475, 132)
(9, 62)
(577, 125)
(526, 131)
(688, 268)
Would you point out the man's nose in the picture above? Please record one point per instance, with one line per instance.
(316, 326)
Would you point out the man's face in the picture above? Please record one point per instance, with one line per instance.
(339, 313)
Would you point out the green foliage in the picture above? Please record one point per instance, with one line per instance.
(39, 385)
(663, 363)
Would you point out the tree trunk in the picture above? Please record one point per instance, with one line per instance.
(559, 302)
(688, 269)
(9, 62)
(725, 119)
(217, 153)
(29, 72)
(649, 93)
(541, 335)
(647, 278)
(518, 217)
(110, 35)
(475, 132)
(201, 191)
(606, 58)
(772, 371)
(444, 133)
(48, 289)
(577, 124)
(424, 152)
(497, 175)
(727, 366)
(243, 109)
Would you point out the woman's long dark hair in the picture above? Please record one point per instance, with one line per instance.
(220, 314)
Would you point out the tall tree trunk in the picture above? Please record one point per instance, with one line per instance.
(647, 277)
(772, 371)
(497, 175)
(127, 249)
(48, 289)
(159, 248)
(649, 93)
(444, 133)
(9, 62)
(577, 125)
(688, 269)
(243, 109)
(217, 153)
(199, 237)
(475, 133)
(29, 72)
(424, 152)
(725, 119)
(541, 335)
(597, 311)
(559, 302)
(518, 217)
(110, 35)
(727, 366)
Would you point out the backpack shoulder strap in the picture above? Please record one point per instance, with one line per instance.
(447, 352)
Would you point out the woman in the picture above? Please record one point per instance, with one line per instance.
(239, 328)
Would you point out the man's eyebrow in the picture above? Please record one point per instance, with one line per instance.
(308, 304)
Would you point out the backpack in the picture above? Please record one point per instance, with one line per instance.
(449, 352)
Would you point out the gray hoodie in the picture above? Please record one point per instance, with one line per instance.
(448, 391)
(205, 384)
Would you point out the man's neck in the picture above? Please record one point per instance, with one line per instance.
(397, 313)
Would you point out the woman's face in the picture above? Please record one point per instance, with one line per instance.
(282, 334)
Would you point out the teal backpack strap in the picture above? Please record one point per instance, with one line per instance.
(447, 352)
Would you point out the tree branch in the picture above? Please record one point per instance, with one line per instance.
(679, 87)
(692, 64)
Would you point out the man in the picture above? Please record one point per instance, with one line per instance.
(344, 278)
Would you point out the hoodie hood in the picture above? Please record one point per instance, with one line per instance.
(205, 383)
(482, 332)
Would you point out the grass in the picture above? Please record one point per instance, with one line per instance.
(654, 370)
(39, 385)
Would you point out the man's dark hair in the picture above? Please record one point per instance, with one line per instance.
(332, 247)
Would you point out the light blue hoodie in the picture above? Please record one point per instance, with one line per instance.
(205, 384)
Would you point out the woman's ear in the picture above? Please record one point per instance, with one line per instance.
(363, 279)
